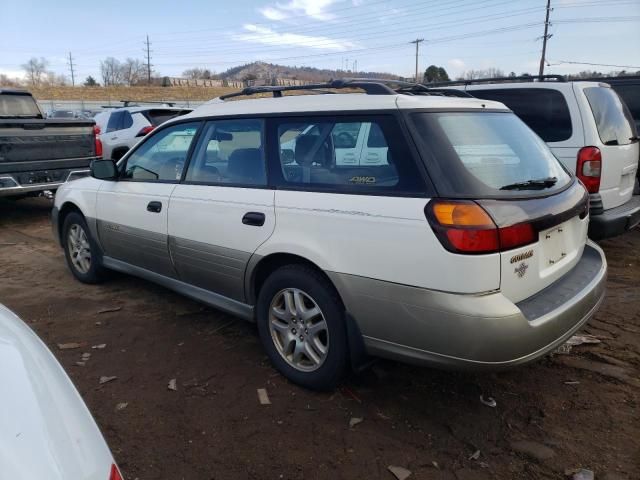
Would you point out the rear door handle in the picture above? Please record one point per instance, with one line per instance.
(154, 207)
(253, 218)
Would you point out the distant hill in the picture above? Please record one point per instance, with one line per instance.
(264, 71)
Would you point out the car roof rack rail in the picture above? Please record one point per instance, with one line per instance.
(371, 86)
(136, 103)
(525, 78)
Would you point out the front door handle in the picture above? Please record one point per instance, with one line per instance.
(154, 207)
(253, 218)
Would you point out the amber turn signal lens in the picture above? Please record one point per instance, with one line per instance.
(456, 214)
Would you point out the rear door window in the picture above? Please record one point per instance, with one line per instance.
(486, 155)
(613, 119)
(334, 153)
(545, 111)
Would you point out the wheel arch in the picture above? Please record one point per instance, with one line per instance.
(259, 268)
(66, 208)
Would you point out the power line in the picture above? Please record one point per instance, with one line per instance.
(545, 37)
(560, 62)
(417, 41)
(73, 78)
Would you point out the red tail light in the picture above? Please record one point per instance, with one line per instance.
(589, 168)
(144, 130)
(115, 473)
(465, 227)
(96, 132)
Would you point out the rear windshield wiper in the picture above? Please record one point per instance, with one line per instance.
(535, 184)
(610, 143)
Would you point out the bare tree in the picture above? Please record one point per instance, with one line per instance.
(198, 73)
(8, 82)
(111, 71)
(486, 73)
(35, 69)
(133, 70)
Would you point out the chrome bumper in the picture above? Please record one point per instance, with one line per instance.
(473, 331)
(10, 187)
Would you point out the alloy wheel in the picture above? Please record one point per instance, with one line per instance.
(298, 329)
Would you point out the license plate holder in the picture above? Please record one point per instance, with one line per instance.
(553, 243)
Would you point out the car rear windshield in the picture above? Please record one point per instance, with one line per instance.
(16, 105)
(486, 155)
(613, 120)
(544, 110)
(158, 116)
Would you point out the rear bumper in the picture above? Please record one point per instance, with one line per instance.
(17, 184)
(615, 221)
(474, 332)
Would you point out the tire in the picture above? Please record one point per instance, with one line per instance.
(283, 331)
(87, 270)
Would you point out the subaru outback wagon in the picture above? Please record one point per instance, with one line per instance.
(400, 223)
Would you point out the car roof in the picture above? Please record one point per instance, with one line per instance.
(549, 85)
(336, 102)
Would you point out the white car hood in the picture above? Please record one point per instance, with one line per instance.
(46, 431)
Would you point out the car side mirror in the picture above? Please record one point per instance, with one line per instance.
(104, 170)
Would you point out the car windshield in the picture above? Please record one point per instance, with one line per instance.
(485, 154)
(613, 120)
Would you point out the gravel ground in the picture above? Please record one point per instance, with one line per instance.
(566, 412)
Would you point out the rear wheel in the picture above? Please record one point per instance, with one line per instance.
(81, 251)
(301, 325)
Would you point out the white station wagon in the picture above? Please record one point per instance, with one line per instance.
(451, 237)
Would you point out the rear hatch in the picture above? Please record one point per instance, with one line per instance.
(528, 207)
(617, 140)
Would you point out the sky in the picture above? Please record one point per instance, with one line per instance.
(357, 35)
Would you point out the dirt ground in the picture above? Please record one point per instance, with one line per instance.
(566, 412)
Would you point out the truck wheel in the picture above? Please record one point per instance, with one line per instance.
(301, 325)
(80, 250)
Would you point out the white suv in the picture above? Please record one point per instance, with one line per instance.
(588, 129)
(121, 128)
(465, 247)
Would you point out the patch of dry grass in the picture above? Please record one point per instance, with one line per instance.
(129, 93)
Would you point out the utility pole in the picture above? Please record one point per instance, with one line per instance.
(73, 77)
(148, 44)
(355, 66)
(545, 37)
(417, 41)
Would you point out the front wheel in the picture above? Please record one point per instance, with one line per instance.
(301, 326)
(81, 251)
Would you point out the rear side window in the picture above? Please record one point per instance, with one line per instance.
(230, 152)
(630, 94)
(127, 120)
(613, 120)
(115, 121)
(346, 154)
(545, 111)
(486, 155)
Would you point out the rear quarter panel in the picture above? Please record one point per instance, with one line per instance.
(385, 238)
